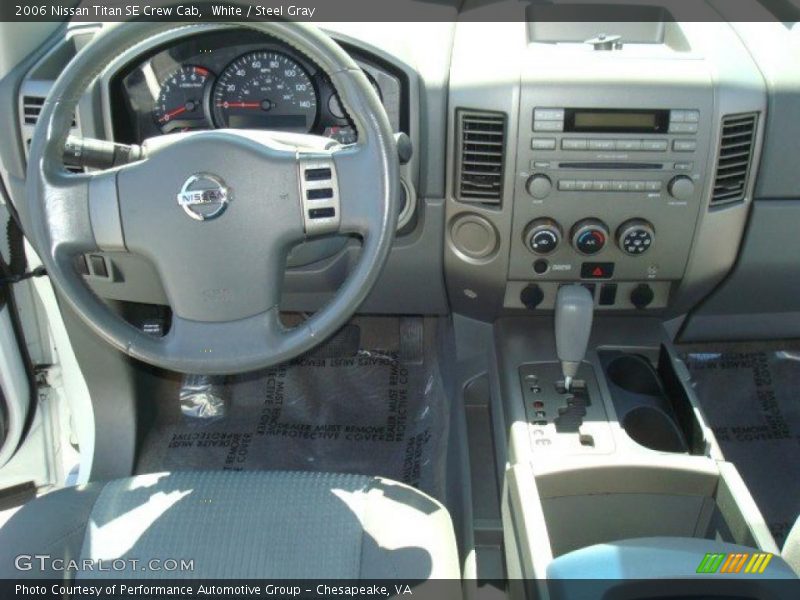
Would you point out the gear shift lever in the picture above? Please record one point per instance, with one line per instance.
(574, 310)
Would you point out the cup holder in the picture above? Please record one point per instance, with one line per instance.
(652, 428)
(644, 409)
(633, 373)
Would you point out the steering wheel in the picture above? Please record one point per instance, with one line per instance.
(216, 212)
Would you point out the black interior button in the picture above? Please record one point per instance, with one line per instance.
(608, 294)
(98, 263)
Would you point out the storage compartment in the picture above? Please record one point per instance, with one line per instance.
(652, 404)
(599, 504)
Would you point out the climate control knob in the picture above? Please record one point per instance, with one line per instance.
(681, 187)
(635, 237)
(539, 186)
(542, 236)
(589, 236)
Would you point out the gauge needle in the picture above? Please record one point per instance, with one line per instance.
(240, 105)
(173, 113)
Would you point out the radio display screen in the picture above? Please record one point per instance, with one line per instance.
(600, 120)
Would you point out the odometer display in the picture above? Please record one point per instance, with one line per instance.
(265, 90)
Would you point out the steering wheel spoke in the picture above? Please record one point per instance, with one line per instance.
(361, 181)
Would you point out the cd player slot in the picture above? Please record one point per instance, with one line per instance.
(611, 165)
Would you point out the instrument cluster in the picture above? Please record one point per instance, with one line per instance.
(241, 80)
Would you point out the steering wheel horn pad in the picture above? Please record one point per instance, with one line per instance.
(216, 213)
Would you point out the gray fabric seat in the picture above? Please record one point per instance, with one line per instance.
(280, 525)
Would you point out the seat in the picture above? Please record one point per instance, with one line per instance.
(232, 524)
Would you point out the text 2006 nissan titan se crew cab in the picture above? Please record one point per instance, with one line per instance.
(501, 308)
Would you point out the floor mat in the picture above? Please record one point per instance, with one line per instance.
(752, 402)
(370, 401)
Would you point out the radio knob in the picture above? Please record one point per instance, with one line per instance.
(589, 236)
(635, 237)
(542, 236)
(681, 187)
(539, 186)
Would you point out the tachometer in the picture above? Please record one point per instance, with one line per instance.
(265, 90)
(181, 102)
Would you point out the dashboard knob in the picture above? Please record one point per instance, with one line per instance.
(589, 236)
(542, 236)
(635, 237)
(539, 186)
(531, 296)
(642, 295)
(681, 187)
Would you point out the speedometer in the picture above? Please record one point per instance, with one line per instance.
(265, 90)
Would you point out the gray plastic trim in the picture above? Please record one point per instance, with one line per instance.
(104, 213)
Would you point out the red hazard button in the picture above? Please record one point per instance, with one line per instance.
(595, 270)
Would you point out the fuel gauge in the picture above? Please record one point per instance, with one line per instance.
(182, 100)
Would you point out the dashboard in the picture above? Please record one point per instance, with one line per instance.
(242, 80)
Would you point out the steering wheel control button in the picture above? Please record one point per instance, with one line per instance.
(318, 174)
(589, 236)
(635, 237)
(542, 236)
(539, 186)
(204, 196)
(531, 296)
(322, 213)
(474, 236)
(319, 193)
(597, 270)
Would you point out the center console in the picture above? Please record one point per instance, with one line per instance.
(601, 184)
(623, 166)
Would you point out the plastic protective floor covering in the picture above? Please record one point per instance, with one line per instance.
(369, 401)
(752, 402)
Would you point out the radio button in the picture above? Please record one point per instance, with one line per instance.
(620, 186)
(583, 185)
(539, 186)
(574, 144)
(543, 144)
(683, 127)
(681, 187)
(652, 186)
(602, 145)
(548, 114)
(684, 166)
(692, 116)
(548, 125)
(684, 145)
(629, 145)
(601, 186)
(677, 116)
(654, 145)
(637, 186)
(566, 185)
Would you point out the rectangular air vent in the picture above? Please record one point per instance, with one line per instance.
(480, 156)
(735, 156)
(32, 108)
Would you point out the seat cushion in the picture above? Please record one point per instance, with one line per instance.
(231, 524)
